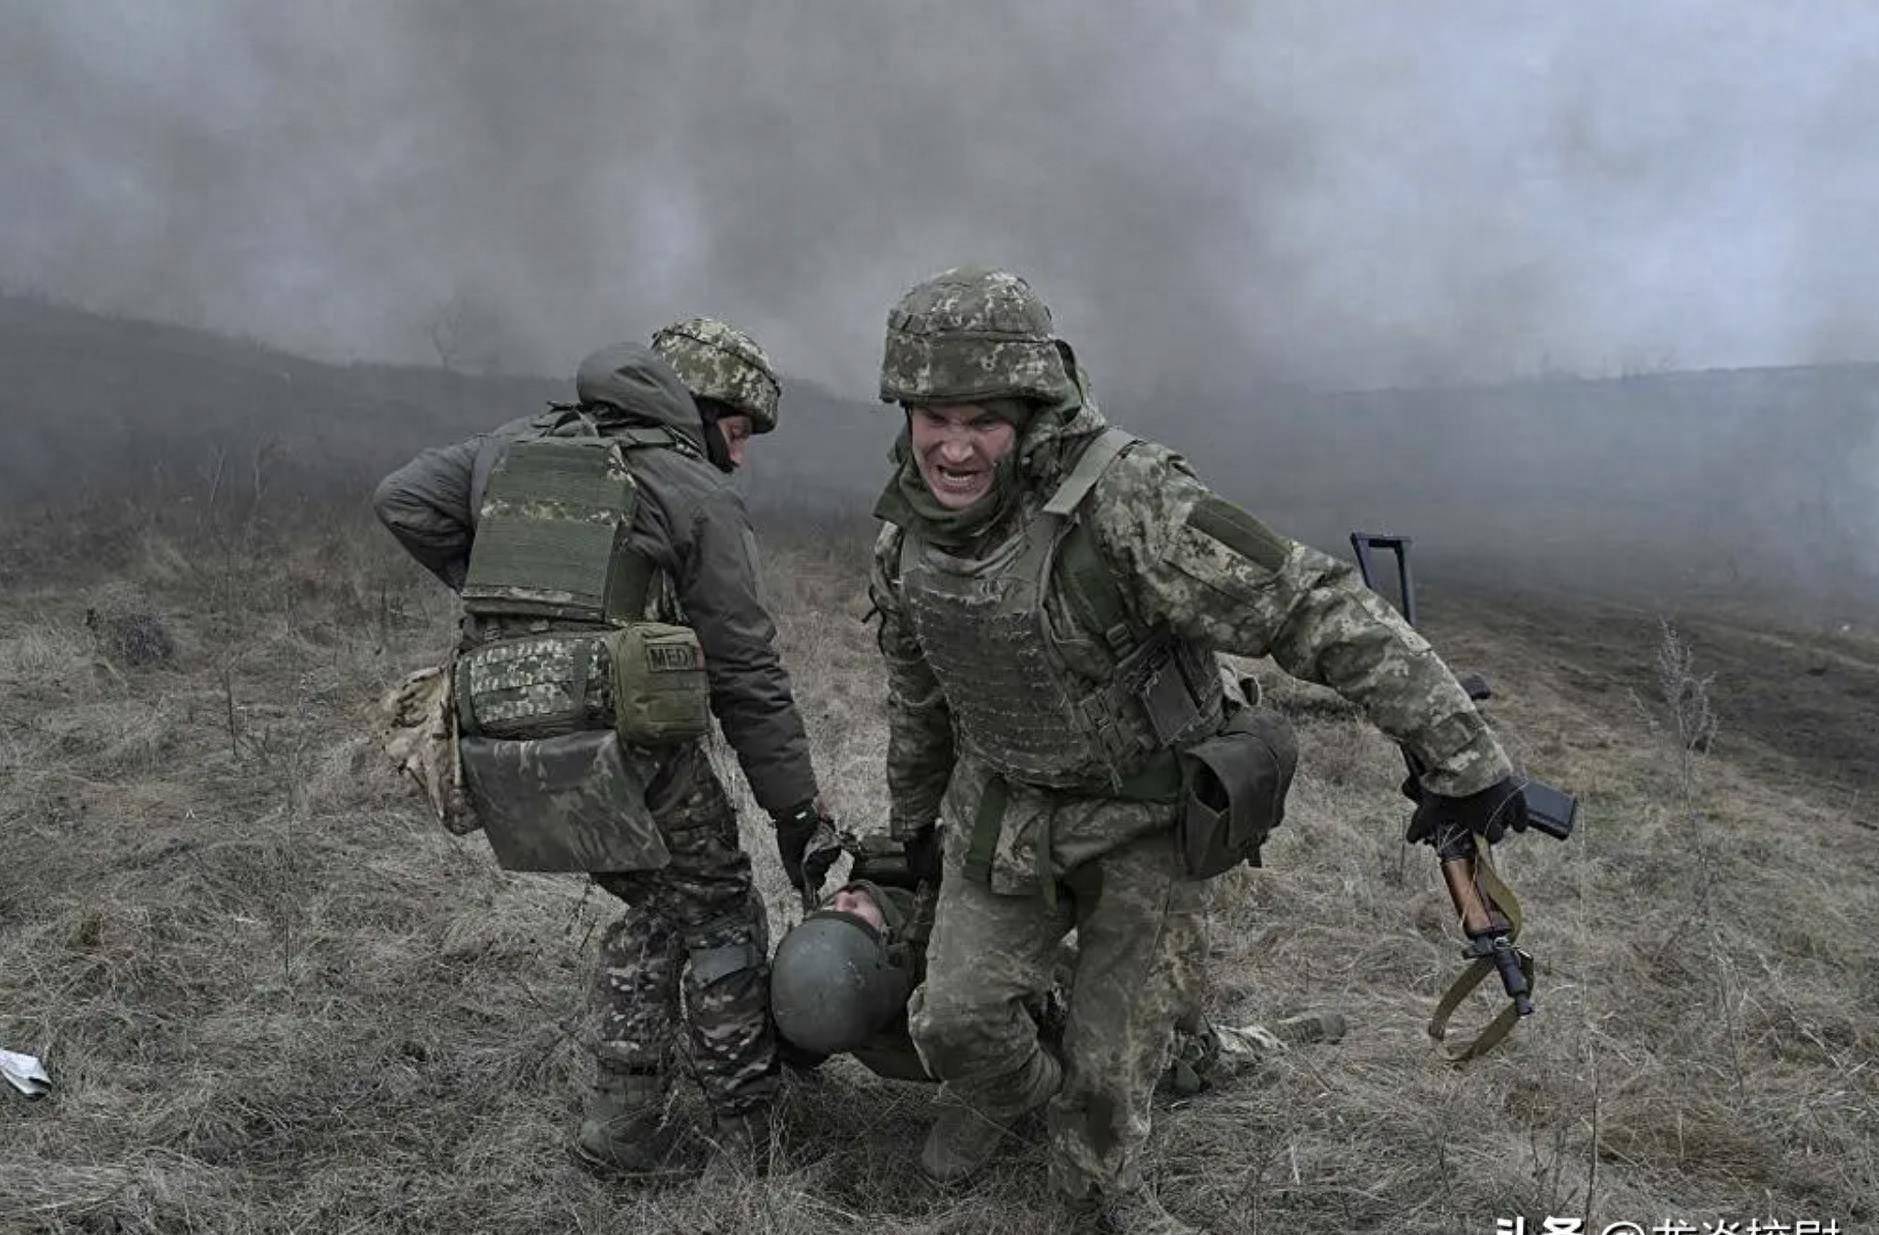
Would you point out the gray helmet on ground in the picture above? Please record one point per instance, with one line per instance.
(718, 361)
(969, 334)
(832, 985)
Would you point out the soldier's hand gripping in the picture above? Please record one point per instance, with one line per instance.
(1488, 814)
(807, 844)
(922, 852)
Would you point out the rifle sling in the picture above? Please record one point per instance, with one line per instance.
(1478, 970)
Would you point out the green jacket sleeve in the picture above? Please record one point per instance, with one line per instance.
(1214, 573)
(426, 505)
(718, 587)
(919, 726)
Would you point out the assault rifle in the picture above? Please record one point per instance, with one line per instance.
(1486, 907)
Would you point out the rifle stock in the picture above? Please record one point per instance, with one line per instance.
(1485, 906)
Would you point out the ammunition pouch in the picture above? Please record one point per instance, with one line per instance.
(646, 681)
(573, 802)
(1234, 786)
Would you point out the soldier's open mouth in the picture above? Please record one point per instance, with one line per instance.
(959, 482)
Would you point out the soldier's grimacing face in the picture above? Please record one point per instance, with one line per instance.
(957, 447)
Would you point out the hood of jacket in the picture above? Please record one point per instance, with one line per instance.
(631, 383)
(1056, 435)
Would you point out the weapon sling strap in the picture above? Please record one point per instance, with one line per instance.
(1478, 970)
(1088, 585)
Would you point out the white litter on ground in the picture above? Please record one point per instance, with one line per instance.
(25, 1073)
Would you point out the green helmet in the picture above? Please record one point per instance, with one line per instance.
(969, 334)
(718, 361)
(833, 985)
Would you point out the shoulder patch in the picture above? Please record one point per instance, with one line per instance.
(1239, 531)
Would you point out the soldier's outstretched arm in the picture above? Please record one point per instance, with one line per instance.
(919, 726)
(426, 505)
(1213, 572)
(750, 691)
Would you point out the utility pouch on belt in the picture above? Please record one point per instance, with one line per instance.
(568, 803)
(536, 686)
(660, 694)
(1234, 786)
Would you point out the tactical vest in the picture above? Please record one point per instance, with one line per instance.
(1015, 703)
(549, 570)
(551, 533)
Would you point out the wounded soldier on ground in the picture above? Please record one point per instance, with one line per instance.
(840, 982)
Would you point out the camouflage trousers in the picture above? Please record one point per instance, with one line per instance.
(1141, 945)
(691, 947)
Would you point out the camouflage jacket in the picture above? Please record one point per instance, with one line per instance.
(688, 521)
(1187, 559)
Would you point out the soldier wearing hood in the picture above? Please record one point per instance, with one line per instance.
(1052, 593)
(596, 538)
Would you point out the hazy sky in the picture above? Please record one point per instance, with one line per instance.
(1329, 193)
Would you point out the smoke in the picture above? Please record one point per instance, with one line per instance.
(1235, 211)
(1210, 195)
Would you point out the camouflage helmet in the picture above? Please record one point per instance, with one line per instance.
(968, 334)
(833, 985)
(718, 361)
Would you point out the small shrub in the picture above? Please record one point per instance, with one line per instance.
(126, 627)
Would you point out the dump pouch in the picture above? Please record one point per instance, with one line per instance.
(660, 694)
(1234, 786)
(416, 725)
(568, 803)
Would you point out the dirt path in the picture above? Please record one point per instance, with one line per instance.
(1797, 708)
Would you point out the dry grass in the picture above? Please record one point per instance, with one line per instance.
(273, 997)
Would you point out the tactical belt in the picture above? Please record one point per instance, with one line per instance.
(1478, 970)
(1158, 781)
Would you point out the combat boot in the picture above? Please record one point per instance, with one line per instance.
(623, 1124)
(744, 1139)
(1309, 1027)
(962, 1140)
(1135, 1213)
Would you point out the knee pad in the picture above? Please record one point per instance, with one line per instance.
(711, 964)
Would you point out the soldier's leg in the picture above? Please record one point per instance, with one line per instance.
(713, 908)
(1140, 954)
(635, 998)
(634, 1015)
(988, 956)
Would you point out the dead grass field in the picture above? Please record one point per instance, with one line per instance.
(273, 997)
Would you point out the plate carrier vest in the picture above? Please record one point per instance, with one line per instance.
(549, 569)
(1015, 703)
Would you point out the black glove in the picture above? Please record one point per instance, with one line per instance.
(805, 864)
(1488, 814)
(922, 851)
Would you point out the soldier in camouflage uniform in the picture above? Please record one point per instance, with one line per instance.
(696, 915)
(1051, 594)
(840, 979)
(730, 379)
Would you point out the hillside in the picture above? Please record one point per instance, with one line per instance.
(92, 407)
(1715, 487)
(273, 995)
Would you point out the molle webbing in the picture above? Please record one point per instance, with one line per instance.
(983, 631)
(979, 631)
